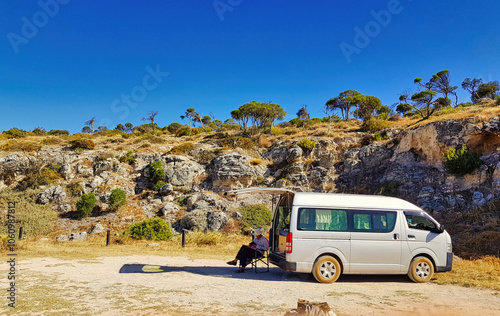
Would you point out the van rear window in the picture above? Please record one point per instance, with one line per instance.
(322, 219)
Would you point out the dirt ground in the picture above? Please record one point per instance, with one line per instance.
(157, 285)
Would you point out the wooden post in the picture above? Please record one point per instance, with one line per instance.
(108, 234)
(183, 238)
(20, 232)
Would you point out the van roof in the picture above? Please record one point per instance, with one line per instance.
(357, 201)
(352, 201)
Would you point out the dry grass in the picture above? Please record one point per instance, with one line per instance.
(483, 272)
(95, 246)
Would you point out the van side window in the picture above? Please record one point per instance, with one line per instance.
(322, 219)
(366, 221)
(420, 220)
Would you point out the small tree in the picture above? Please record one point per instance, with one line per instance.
(303, 114)
(151, 118)
(471, 85)
(117, 199)
(86, 205)
(90, 124)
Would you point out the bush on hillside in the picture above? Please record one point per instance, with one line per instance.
(82, 143)
(15, 133)
(85, 206)
(255, 216)
(306, 144)
(182, 149)
(462, 161)
(236, 141)
(58, 132)
(156, 172)
(374, 124)
(36, 179)
(117, 199)
(150, 229)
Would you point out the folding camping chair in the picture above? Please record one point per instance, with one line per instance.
(263, 258)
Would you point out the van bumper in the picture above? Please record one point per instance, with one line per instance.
(281, 262)
(449, 263)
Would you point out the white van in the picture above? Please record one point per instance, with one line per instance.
(329, 234)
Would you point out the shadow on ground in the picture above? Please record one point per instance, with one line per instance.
(274, 274)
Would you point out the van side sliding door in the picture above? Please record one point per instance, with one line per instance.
(375, 242)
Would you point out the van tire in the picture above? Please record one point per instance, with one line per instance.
(421, 270)
(327, 269)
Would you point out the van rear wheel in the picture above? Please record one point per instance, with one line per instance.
(421, 270)
(326, 269)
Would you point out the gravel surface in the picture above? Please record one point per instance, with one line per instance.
(157, 285)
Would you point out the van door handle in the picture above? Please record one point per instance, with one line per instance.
(396, 236)
(411, 237)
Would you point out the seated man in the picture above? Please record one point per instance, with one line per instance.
(257, 247)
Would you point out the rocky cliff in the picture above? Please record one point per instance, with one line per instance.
(407, 164)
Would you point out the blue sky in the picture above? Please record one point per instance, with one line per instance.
(63, 62)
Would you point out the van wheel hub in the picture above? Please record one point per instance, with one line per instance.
(422, 270)
(328, 270)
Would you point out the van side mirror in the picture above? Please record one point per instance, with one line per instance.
(441, 229)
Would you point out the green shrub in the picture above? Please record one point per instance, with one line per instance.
(150, 229)
(82, 143)
(182, 149)
(174, 127)
(182, 202)
(35, 179)
(462, 161)
(58, 132)
(85, 206)
(379, 137)
(255, 216)
(156, 172)
(54, 167)
(306, 144)
(236, 141)
(15, 133)
(117, 199)
(374, 125)
(35, 219)
(128, 158)
(159, 184)
(39, 131)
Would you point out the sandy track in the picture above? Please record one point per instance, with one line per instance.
(157, 285)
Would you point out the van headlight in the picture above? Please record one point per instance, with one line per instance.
(449, 247)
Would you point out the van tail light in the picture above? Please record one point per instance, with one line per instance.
(289, 243)
(269, 238)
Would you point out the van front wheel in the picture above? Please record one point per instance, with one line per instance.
(421, 270)
(326, 269)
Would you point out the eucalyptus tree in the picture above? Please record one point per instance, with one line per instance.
(472, 85)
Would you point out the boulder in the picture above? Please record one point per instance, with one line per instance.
(216, 220)
(233, 171)
(67, 172)
(166, 189)
(195, 220)
(181, 171)
(293, 153)
(64, 208)
(51, 194)
(77, 236)
(98, 228)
